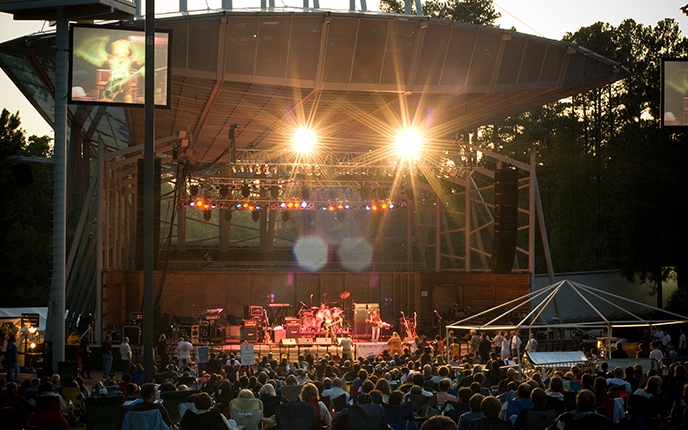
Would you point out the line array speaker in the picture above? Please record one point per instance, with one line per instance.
(506, 220)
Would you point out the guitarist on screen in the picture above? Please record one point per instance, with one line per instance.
(125, 60)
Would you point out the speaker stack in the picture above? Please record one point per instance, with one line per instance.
(506, 220)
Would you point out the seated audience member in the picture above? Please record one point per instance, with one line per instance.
(439, 423)
(540, 417)
(14, 406)
(270, 400)
(204, 418)
(149, 393)
(618, 381)
(584, 416)
(364, 415)
(490, 407)
(522, 401)
(652, 388)
(309, 394)
(443, 396)
(466, 420)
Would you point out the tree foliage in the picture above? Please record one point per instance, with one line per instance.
(26, 219)
(611, 180)
(480, 12)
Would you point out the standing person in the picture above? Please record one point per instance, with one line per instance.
(184, 347)
(375, 322)
(506, 348)
(681, 343)
(125, 355)
(516, 344)
(346, 344)
(394, 343)
(106, 348)
(85, 354)
(531, 346)
(12, 356)
(498, 340)
(161, 346)
(484, 348)
(656, 356)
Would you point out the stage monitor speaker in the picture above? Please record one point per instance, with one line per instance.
(506, 220)
(288, 342)
(304, 341)
(186, 320)
(279, 335)
(323, 341)
(133, 332)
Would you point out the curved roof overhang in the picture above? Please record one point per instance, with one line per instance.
(355, 77)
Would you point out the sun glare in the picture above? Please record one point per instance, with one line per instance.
(408, 143)
(304, 140)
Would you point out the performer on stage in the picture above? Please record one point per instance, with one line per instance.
(376, 322)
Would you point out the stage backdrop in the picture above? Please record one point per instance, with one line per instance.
(189, 294)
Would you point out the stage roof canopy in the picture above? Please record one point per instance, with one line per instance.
(355, 79)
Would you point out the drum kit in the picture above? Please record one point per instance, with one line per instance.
(324, 318)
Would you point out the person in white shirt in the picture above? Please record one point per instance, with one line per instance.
(184, 349)
(666, 340)
(506, 349)
(656, 356)
(336, 390)
(531, 346)
(681, 342)
(125, 355)
(498, 340)
(516, 344)
(618, 380)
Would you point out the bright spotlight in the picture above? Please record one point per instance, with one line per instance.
(408, 143)
(304, 140)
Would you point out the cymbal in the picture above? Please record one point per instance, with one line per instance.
(344, 295)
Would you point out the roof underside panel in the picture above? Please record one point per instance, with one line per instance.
(356, 79)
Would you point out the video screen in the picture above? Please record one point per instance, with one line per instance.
(674, 92)
(108, 66)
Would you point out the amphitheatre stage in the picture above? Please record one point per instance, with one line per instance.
(245, 219)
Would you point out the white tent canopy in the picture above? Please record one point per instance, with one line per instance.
(538, 301)
(17, 313)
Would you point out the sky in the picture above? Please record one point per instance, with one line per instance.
(546, 18)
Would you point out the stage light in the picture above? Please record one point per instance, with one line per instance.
(275, 191)
(340, 207)
(207, 214)
(346, 206)
(384, 206)
(304, 140)
(255, 216)
(257, 208)
(282, 205)
(391, 205)
(290, 205)
(331, 208)
(285, 216)
(213, 205)
(199, 203)
(192, 204)
(245, 205)
(245, 191)
(374, 207)
(238, 206)
(367, 207)
(304, 205)
(408, 143)
(324, 208)
(193, 190)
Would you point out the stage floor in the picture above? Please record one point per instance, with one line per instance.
(292, 352)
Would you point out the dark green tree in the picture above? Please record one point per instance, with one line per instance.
(26, 219)
(480, 12)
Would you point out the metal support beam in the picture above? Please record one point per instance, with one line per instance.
(56, 308)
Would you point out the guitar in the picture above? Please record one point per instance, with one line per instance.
(115, 86)
(379, 323)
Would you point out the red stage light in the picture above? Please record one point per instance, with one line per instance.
(245, 205)
(374, 207)
(290, 205)
(384, 206)
(340, 207)
(331, 208)
(199, 203)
